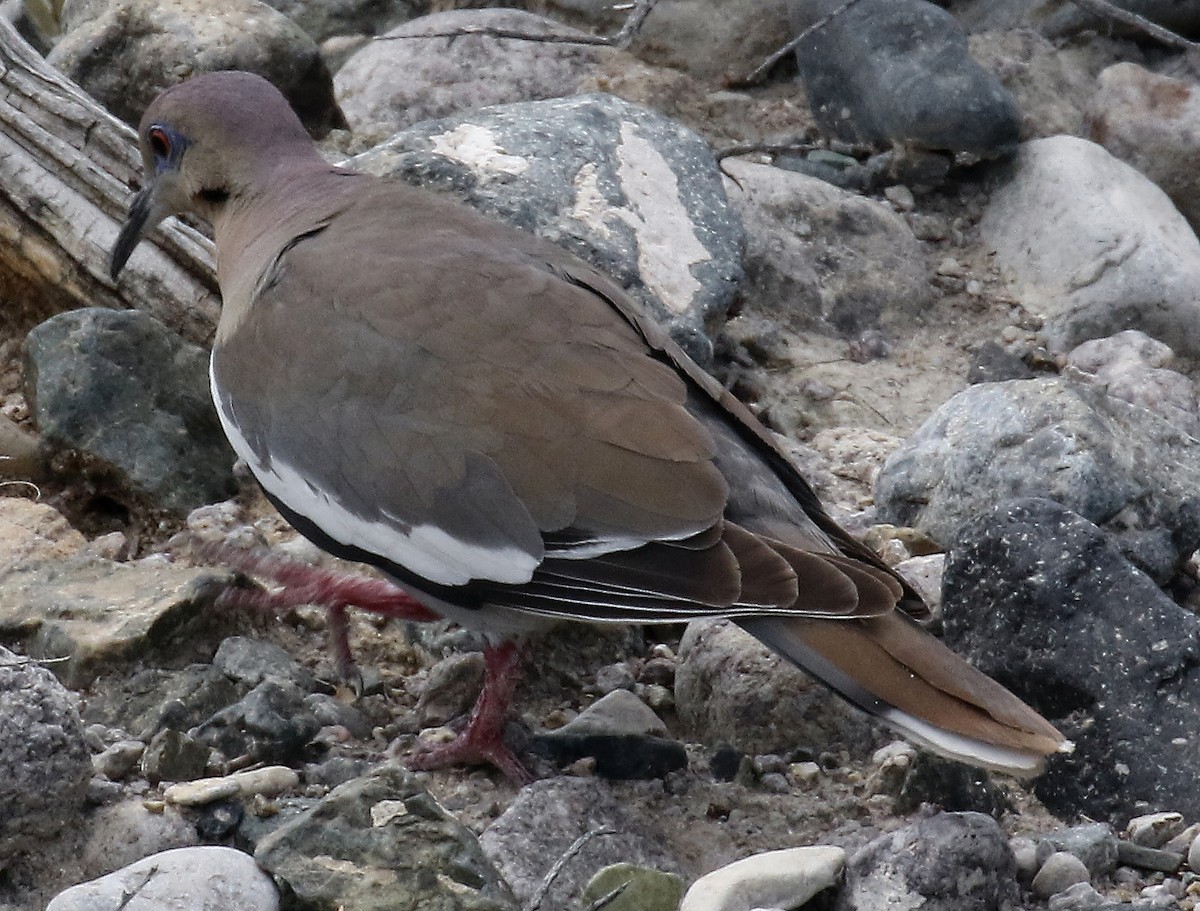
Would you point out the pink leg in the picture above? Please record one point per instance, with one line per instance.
(305, 584)
(482, 742)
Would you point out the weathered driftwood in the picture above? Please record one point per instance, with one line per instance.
(66, 171)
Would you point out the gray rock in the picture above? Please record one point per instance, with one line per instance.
(1044, 602)
(122, 388)
(1111, 462)
(1193, 855)
(402, 79)
(328, 710)
(155, 699)
(1153, 830)
(451, 688)
(44, 764)
(947, 862)
(637, 194)
(206, 876)
(1144, 858)
(1095, 844)
(271, 723)
(174, 756)
(730, 689)
(1076, 897)
(1052, 88)
(125, 832)
(1060, 871)
(621, 733)
(821, 258)
(125, 52)
(862, 71)
(323, 19)
(22, 457)
(119, 760)
(1152, 122)
(1134, 367)
(546, 818)
(382, 841)
(250, 661)
(1093, 247)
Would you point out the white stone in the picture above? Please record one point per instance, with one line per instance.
(775, 879)
(1094, 247)
(207, 878)
(268, 781)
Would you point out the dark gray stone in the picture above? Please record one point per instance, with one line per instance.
(898, 71)
(250, 661)
(323, 19)
(951, 786)
(174, 756)
(993, 364)
(1043, 601)
(270, 724)
(1095, 844)
(545, 819)
(44, 764)
(1114, 463)
(947, 862)
(121, 387)
(638, 195)
(381, 841)
(155, 700)
(1145, 858)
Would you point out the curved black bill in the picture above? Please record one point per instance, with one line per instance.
(131, 231)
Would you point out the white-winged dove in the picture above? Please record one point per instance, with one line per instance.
(500, 429)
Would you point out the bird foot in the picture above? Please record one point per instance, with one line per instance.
(482, 741)
(302, 583)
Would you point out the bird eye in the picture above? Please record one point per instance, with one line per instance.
(160, 142)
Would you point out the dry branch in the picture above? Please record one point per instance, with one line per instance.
(1111, 11)
(66, 168)
(621, 38)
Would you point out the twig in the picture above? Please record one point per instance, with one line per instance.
(621, 38)
(782, 148)
(536, 901)
(22, 661)
(609, 898)
(757, 76)
(1106, 10)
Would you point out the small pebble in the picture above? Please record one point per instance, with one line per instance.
(1078, 896)
(901, 197)
(119, 760)
(268, 781)
(615, 677)
(658, 697)
(1154, 829)
(1060, 871)
(1193, 857)
(805, 773)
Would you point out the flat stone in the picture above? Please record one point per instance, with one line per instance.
(1094, 247)
(642, 889)
(774, 879)
(98, 613)
(205, 876)
(1144, 858)
(382, 841)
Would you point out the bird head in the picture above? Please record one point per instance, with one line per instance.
(203, 142)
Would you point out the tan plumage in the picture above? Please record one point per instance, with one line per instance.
(498, 426)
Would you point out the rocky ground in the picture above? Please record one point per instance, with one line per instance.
(960, 276)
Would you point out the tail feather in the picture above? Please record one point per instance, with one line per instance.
(892, 669)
